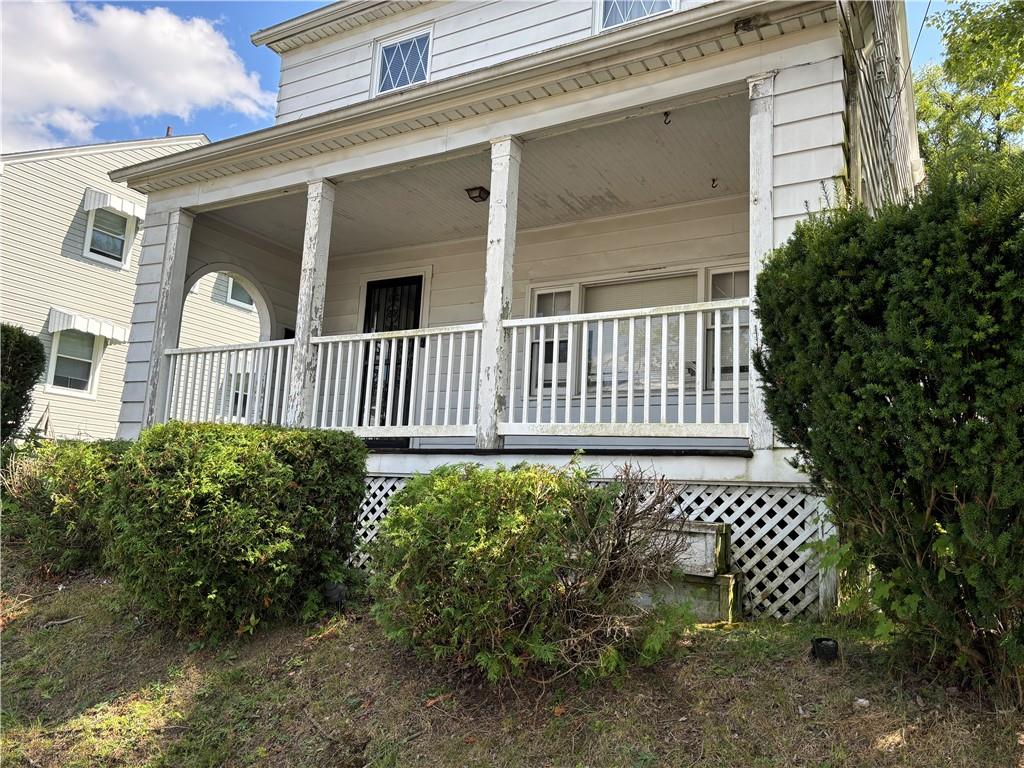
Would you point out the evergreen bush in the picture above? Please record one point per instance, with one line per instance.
(893, 361)
(528, 570)
(217, 527)
(22, 359)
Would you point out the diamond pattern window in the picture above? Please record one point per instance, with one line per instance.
(616, 12)
(404, 63)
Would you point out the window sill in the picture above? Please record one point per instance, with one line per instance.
(117, 266)
(78, 394)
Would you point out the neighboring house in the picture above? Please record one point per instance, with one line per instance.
(70, 241)
(502, 231)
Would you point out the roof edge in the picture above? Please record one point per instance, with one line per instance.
(108, 146)
(312, 20)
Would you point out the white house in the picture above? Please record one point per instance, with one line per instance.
(69, 256)
(503, 231)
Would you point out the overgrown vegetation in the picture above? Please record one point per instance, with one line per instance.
(528, 570)
(215, 528)
(893, 361)
(22, 358)
(53, 497)
(111, 689)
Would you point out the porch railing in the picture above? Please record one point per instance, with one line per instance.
(414, 383)
(678, 371)
(672, 371)
(242, 383)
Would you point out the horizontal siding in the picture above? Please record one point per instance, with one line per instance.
(466, 36)
(681, 238)
(809, 168)
(209, 320)
(41, 265)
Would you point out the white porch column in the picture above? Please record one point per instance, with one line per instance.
(309, 315)
(762, 226)
(506, 154)
(167, 320)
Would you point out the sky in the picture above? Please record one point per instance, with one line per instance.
(80, 73)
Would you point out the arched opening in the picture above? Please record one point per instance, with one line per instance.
(224, 305)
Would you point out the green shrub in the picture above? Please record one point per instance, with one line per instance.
(22, 359)
(893, 361)
(217, 527)
(526, 570)
(53, 501)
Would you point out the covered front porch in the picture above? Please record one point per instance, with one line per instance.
(581, 288)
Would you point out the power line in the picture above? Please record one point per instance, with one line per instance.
(906, 72)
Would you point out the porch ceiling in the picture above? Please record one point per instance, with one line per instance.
(628, 165)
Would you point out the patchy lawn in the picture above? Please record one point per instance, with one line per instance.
(108, 689)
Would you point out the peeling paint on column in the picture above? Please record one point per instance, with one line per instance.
(762, 115)
(309, 313)
(502, 214)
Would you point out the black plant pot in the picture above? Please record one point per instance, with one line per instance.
(825, 649)
(334, 593)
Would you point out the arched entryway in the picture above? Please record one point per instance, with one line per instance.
(224, 304)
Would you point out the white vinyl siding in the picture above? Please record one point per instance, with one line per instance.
(341, 69)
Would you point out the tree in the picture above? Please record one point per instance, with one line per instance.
(21, 364)
(972, 105)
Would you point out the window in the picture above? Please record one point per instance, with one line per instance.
(73, 360)
(550, 303)
(636, 294)
(237, 295)
(403, 62)
(727, 285)
(108, 236)
(616, 12)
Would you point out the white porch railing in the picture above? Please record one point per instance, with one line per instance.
(242, 383)
(679, 371)
(414, 383)
(666, 371)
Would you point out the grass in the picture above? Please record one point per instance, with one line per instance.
(109, 689)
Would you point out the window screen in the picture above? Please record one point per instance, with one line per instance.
(72, 368)
(403, 63)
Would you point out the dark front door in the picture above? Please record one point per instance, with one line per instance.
(391, 305)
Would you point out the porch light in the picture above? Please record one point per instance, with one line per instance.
(478, 194)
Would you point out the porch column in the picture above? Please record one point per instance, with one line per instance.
(309, 315)
(762, 227)
(167, 319)
(506, 154)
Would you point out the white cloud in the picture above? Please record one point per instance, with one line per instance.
(66, 69)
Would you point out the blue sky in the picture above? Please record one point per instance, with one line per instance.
(138, 67)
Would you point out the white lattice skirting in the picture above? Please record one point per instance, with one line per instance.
(770, 524)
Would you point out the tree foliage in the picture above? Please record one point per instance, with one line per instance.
(893, 361)
(973, 103)
(21, 364)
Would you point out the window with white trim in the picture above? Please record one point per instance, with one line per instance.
(617, 12)
(403, 62)
(237, 296)
(550, 302)
(73, 361)
(733, 284)
(108, 236)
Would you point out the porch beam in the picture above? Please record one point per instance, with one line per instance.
(502, 215)
(309, 315)
(762, 226)
(170, 304)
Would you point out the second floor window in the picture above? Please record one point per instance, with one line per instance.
(616, 12)
(108, 235)
(238, 296)
(403, 62)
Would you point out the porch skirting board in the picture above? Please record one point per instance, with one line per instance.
(770, 526)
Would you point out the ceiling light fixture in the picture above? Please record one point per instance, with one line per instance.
(478, 194)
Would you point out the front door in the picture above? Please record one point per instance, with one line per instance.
(391, 305)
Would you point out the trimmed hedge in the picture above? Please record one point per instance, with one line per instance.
(216, 528)
(526, 570)
(893, 361)
(53, 496)
(22, 359)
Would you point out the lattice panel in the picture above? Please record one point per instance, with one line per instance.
(770, 524)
